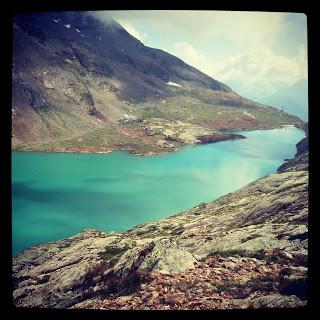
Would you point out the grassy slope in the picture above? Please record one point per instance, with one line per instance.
(63, 121)
(71, 129)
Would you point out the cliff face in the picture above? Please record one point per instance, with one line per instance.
(247, 249)
(301, 159)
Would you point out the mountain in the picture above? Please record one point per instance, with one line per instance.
(82, 85)
(294, 99)
(247, 249)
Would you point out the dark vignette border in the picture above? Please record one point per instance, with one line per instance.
(306, 7)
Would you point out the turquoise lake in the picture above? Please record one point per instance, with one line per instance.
(56, 195)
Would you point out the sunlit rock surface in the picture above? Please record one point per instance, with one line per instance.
(247, 249)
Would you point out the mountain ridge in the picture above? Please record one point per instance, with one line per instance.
(76, 82)
(294, 99)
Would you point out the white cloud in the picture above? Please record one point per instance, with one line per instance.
(186, 52)
(251, 28)
(261, 67)
(253, 52)
(239, 27)
(126, 25)
(257, 71)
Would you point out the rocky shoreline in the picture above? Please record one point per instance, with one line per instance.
(156, 136)
(160, 136)
(247, 249)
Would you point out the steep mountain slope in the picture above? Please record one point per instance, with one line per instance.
(247, 249)
(81, 85)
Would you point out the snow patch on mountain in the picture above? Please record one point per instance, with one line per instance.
(170, 83)
(249, 114)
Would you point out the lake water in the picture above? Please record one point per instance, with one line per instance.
(56, 195)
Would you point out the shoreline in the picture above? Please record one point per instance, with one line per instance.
(285, 161)
(215, 249)
(223, 133)
(84, 150)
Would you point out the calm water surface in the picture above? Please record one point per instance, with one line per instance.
(56, 195)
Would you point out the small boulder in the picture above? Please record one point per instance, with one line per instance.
(173, 299)
(276, 252)
(91, 110)
(202, 205)
(177, 230)
(167, 257)
(229, 265)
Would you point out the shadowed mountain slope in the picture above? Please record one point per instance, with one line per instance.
(83, 85)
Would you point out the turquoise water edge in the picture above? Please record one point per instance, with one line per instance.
(55, 195)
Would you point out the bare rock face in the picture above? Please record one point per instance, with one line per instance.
(167, 257)
(300, 161)
(55, 274)
(276, 301)
(182, 132)
(162, 256)
(131, 260)
(36, 100)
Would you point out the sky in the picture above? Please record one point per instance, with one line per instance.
(256, 53)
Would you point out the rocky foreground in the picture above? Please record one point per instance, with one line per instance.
(247, 249)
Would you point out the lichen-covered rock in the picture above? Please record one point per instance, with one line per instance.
(55, 274)
(131, 260)
(167, 257)
(162, 256)
(276, 301)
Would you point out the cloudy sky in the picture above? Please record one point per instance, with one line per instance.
(256, 53)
